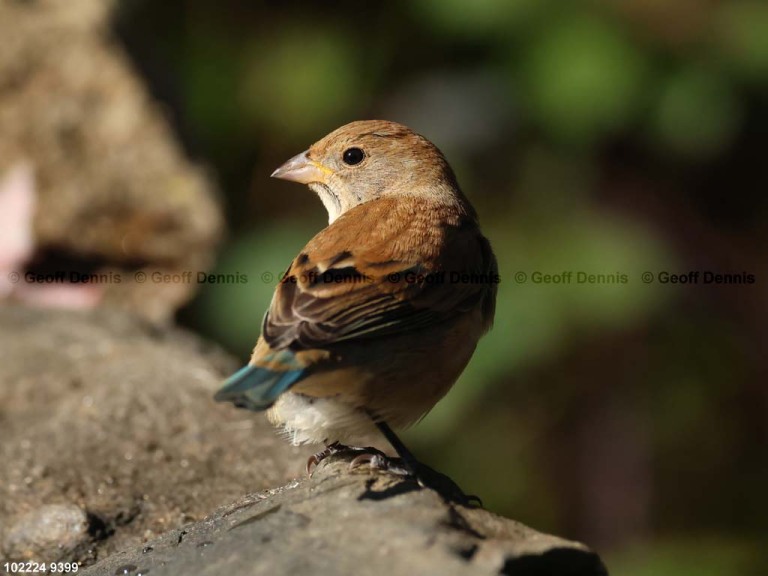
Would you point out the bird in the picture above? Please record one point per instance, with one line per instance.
(377, 316)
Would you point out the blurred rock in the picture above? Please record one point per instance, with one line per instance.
(114, 192)
(52, 531)
(353, 522)
(105, 416)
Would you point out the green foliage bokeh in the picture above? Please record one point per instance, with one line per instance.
(591, 136)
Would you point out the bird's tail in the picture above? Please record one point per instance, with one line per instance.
(257, 388)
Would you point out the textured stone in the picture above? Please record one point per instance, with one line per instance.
(113, 419)
(102, 411)
(353, 522)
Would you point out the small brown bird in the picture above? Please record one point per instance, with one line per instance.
(379, 314)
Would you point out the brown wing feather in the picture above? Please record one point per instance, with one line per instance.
(352, 279)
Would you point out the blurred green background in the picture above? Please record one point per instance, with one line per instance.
(604, 137)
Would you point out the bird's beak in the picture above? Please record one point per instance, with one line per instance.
(301, 169)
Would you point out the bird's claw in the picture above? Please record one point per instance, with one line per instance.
(318, 457)
(314, 460)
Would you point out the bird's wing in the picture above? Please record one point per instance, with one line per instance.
(384, 267)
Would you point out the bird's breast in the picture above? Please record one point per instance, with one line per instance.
(397, 379)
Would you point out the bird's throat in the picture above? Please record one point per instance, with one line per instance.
(329, 199)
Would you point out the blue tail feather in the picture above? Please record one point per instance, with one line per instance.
(257, 388)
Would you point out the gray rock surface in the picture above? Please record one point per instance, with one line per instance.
(344, 521)
(105, 414)
(116, 456)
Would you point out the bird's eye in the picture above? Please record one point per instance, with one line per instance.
(353, 156)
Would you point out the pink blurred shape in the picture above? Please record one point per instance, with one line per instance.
(18, 200)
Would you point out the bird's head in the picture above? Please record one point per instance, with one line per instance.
(369, 159)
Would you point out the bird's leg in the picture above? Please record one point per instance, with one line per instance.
(410, 466)
(380, 461)
(407, 456)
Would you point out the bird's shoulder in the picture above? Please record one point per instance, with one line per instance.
(368, 274)
(388, 228)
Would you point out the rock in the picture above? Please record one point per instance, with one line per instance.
(114, 191)
(105, 413)
(115, 454)
(353, 522)
(53, 531)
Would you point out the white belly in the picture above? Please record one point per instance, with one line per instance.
(307, 420)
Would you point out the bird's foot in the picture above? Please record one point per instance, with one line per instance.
(425, 476)
(338, 447)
